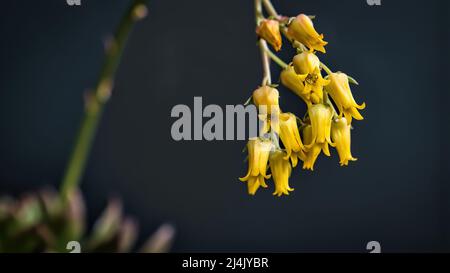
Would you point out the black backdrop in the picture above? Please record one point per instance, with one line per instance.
(397, 193)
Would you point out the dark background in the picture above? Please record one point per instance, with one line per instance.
(396, 193)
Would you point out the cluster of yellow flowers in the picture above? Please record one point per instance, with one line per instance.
(322, 126)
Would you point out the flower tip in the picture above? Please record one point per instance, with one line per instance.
(252, 190)
(362, 106)
(321, 49)
(345, 162)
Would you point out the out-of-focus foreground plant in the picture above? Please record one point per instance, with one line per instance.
(43, 222)
(50, 221)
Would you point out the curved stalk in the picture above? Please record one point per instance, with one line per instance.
(275, 58)
(267, 78)
(327, 70)
(270, 8)
(97, 98)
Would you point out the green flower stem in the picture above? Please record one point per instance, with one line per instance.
(267, 79)
(275, 58)
(325, 94)
(328, 101)
(97, 98)
(352, 80)
(270, 9)
(327, 70)
(259, 16)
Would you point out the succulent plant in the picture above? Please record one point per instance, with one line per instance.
(44, 222)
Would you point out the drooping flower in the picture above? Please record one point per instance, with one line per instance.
(313, 152)
(281, 171)
(294, 82)
(269, 30)
(266, 99)
(340, 92)
(302, 29)
(258, 156)
(321, 116)
(307, 66)
(340, 134)
(306, 63)
(317, 136)
(290, 137)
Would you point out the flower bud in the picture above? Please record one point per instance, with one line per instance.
(316, 97)
(340, 134)
(266, 97)
(302, 29)
(339, 90)
(306, 63)
(269, 30)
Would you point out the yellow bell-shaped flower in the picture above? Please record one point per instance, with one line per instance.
(269, 30)
(281, 171)
(340, 134)
(266, 98)
(321, 116)
(339, 90)
(318, 136)
(313, 152)
(307, 65)
(294, 82)
(258, 156)
(302, 29)
(290, 137)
